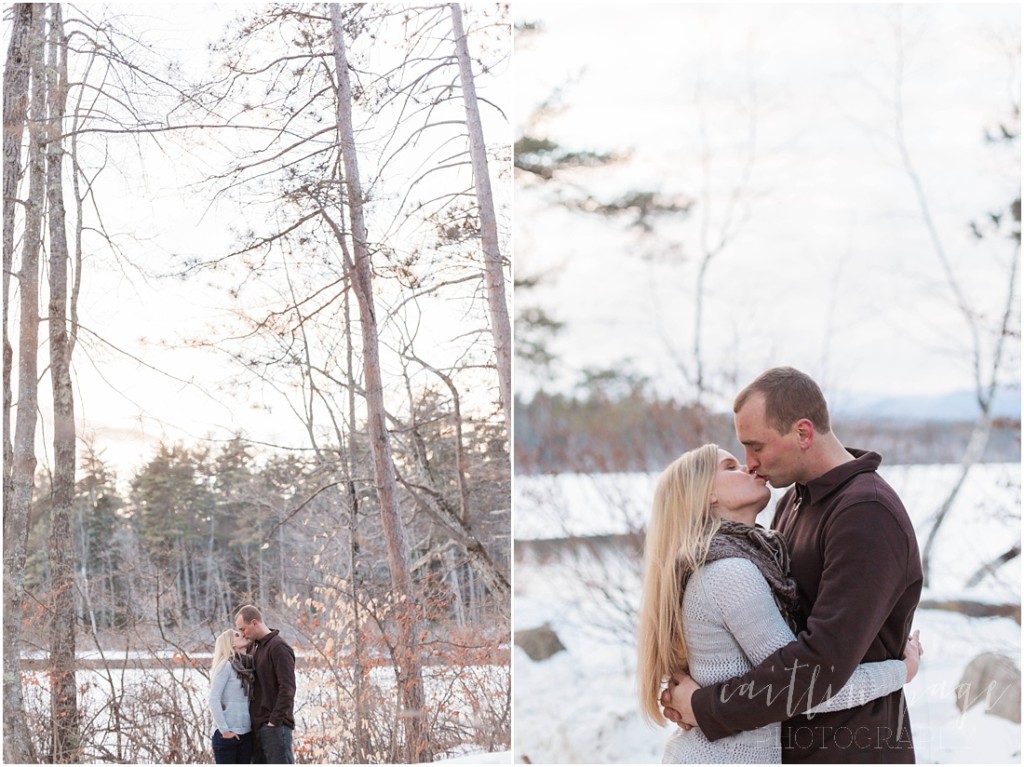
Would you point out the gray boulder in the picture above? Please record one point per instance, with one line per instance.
(994, 679)
(539, 643)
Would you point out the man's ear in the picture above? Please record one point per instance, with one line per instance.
(804, 432)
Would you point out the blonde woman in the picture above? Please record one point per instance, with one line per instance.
(231, 682)
(718, 599)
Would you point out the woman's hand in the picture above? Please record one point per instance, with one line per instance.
(229, 735)
(912, 655)
(675, 700)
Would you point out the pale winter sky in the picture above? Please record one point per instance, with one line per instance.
(153, 387)
(832, 269)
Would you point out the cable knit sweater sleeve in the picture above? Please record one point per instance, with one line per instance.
(741, 594)
(218, 682)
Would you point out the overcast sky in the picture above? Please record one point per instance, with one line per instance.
(833, 270)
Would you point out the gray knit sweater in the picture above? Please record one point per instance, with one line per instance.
(731, 624)
(229, 705)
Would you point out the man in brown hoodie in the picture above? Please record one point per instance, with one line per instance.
(273, 696)
(856, 564)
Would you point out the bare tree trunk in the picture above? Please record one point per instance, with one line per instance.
(972, 454)
(409, 664)
(497, 581)
(458, 521)
(993, 565)
(456, 586)
(986, 377)
(494, 270)
(16, 87)
(986, 393)
(63, 689)
(461, 464)
(16, 84)
(985, 386)
(361, 673)
(215, 581)
(17, 745)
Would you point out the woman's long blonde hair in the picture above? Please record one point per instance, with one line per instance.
(678, 538)
(222, 648)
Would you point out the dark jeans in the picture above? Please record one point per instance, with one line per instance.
(232, 750)
(273, 745)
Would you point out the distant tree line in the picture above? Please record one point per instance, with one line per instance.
(635, 430)
(198, 531)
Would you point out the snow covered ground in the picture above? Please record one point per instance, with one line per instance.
(580, 705)
(497, 757)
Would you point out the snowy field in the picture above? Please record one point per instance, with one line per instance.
(580, 705)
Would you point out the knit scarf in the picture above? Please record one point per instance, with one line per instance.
(767, 550)
(244, 666)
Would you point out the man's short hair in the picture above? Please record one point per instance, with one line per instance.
(250, 614)
(789, 395)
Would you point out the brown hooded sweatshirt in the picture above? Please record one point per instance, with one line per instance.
(274, 692)
(856, 563)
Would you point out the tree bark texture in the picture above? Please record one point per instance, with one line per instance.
(408, 662)
(16, 82)
(17, 745)
(494, 271)
(361, 673)
(63, 689)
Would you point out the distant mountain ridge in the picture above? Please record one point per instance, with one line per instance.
(954, 406)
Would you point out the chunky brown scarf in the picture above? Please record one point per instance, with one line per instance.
(244, 666)
(767, 550)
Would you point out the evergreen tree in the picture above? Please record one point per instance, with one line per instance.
(172, 505)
